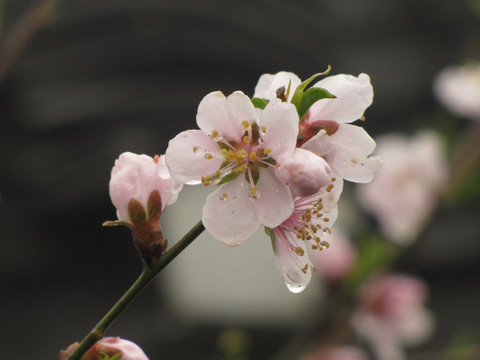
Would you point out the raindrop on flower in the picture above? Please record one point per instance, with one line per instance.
(295, 288)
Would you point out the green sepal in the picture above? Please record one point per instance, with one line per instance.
(255, 176)
(113, 357)
(310, 97)
(259, 103)
(136, 212)
(270, 233)
(299, 93)
(232, 176)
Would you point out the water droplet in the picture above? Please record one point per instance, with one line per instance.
(193, 182)
(254, 197)
(295, 288)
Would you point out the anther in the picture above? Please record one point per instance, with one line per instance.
(299, 251)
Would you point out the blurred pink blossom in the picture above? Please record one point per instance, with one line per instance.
(344, 352)
(406, 188)
(458, 88)
(109, 346)
(391, 315)
(334, 264)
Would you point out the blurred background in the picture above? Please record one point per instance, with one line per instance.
(97, 78)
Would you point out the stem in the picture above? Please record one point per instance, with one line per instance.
(37, 16)
(148, 273)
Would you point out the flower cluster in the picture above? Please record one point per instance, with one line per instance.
(279, 160)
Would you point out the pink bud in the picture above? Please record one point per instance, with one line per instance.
(137, 177)
(304, 172)
(109, 346)
(140, 188)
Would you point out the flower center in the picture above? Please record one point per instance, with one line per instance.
(240, 158)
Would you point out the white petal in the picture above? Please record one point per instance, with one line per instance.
(281, 124)
(349, 159)
(289, 263)
(186, 156)
(214, 114)
(353, 96)
(228, 214)
(240, 108)
(275, 203)
(320, 144)
(269, 83)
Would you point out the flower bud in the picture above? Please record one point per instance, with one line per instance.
(107, 348)
(140, 188)
(304, 172)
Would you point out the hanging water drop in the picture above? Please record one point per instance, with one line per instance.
(295, 288)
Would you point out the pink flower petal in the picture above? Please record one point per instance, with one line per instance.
(290, 262)
(275, 203)
(229, 214)
(187, 156)
(353, 96)
(269, 83)
(225, 114)
(281, 124)
(352, 146)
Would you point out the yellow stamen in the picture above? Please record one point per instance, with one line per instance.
(299, 251)
(246, 125)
